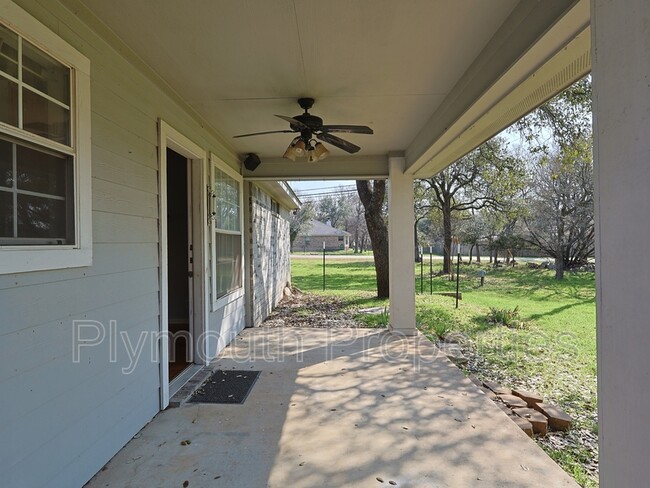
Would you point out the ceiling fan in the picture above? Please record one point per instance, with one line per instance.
(310, 126)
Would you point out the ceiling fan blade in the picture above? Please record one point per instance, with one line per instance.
(338, 142)
(295, 122)
(353, 129)
(262, 133)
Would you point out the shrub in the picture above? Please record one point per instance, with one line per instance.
(436, 320)
(384, 318)
(441, 329)
(504, 316)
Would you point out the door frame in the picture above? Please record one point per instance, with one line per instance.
(170, 138)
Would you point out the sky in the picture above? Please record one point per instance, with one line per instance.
(304, 186)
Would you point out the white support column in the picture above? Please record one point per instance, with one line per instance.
(401, 243)
(621, 72)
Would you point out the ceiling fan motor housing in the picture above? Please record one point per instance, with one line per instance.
(306, 103)
(308, 126)
(311, 121)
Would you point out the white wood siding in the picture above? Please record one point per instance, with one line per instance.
(61, 421)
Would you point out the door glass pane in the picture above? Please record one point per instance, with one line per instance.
(228, 265)
(41, 218)
(6, 214)
(8, 52)
(45, 118)
(42, 172)
(8, 102)
(6, 166)
(45, 73)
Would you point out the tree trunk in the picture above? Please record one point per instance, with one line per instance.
(356, 240)
(478, 254)
(559, 268)
(373, 202)
(471, 250)
(418, 256)
(446, 232)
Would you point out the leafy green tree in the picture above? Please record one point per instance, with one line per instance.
(488, 177)
(334, 209)
(300, 219)
(563, 121)
(471, 230)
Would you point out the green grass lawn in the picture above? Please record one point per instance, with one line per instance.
(553, 351)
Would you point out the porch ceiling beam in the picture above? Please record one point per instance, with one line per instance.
(333, 168)
(540, 49)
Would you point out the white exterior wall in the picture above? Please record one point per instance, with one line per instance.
(621, 73)
(61, 421)
(270, 264)
(224, 324)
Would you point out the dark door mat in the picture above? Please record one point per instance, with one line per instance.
(226, 386)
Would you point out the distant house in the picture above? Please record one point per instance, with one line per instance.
(316, 233)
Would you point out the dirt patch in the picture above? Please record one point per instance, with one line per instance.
(308, 310)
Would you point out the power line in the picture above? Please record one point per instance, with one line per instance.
(327, 187)
(337, 189)
(320, 195)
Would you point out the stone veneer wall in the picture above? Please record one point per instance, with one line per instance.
(269, 254)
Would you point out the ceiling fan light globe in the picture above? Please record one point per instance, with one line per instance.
(320, 151)
(290, 153)
(299, 148)
(311, 156)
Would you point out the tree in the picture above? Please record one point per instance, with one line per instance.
(471, 231)
(333, 209)
(485, 178)
(372, 195)
(300, 219)
(356, 223)
(561, 220)
(563, 121)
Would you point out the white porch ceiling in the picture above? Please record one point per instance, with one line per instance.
(388, 64)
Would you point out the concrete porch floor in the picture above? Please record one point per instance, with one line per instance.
(337, 408)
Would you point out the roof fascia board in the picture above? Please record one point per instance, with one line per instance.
(532, 35)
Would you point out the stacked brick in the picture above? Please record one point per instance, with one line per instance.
(527, 409)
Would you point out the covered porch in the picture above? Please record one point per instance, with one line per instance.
(335, 408)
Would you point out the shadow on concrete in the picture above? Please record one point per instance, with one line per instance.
(337, 408)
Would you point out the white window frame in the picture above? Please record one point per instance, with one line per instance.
(217, 303)
(18, 259)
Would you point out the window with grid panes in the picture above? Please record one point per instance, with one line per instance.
(37, 191)
(227, 235)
